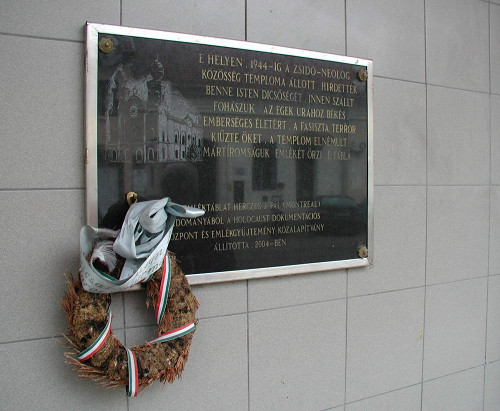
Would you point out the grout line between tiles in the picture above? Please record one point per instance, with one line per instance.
(246, 20)
(414, 385)
(346, 328)
(28, 36)
(248, 346)
(383, 393)
(7, 190)
(426, 208)
(345, 27)
(453, 373)
(52, 337)
(432, 185)
(489, 210)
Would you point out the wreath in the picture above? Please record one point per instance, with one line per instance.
(113, 261)
(102, 357)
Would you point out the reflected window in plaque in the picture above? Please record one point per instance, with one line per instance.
(264, 167)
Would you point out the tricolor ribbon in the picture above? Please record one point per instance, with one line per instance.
(161, 304)
(178, 332)
(98, 343)
(133, 378)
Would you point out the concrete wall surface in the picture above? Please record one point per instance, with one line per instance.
(419, 330)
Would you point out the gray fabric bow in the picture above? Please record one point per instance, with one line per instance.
(142, 240)
(146, 224)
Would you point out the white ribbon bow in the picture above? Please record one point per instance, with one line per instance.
(142, 240)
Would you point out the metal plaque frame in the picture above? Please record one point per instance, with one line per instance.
(93, 31)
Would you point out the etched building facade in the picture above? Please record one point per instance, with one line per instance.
(143, 126)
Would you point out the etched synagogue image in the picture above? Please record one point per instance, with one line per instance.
(148, 122)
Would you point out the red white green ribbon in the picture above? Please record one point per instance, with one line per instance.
(161, 304)
(178, 332)
(133, 378)
(98, 343)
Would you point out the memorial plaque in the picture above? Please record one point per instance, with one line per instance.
(275, 144)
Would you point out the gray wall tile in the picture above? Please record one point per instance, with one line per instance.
(61, 19)
(384, 350)
(400, 56)
(495, 47)
(495, 139)
(116, 308)
(296, 289)
(216, 374)
(407, 399)
(135, 311)
(221, 299)
(42, 136)
(138, 335)
(42, 245)
(492, 382)
(494, 230)
(461, 391)
(400, 132)
(457, 233)
(458, 137)
(216, 18)
(39, 379)
(455, 327)
(296, 356)
(296, 24)
(493, 335)
(457, 43)
(399, 237)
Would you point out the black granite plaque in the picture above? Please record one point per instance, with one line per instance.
(272, 143)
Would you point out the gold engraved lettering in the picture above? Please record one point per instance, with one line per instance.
(221, 75)
(305, 70)
(247, 92)
(283, 111)
(343, 128)
(223, 121)
(339, 155)
(310, 112)
(214, 151)
(342, 101)
(280, 95)
(330, 141)
(270, 124)
(224, 137)
(314, 99)
(264, 79)
(301, 83)
(314, 126)
(219, 91)
(338, 87)
(289, 153)
(234, 107)
(335, 114)
(294, 140)
(335, 74)
(218, 60)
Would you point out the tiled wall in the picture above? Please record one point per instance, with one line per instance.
(420, 330)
